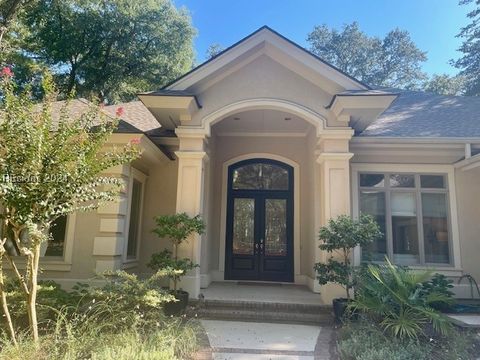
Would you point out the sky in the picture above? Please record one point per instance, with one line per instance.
(432, 24)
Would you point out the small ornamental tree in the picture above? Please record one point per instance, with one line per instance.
(339, 238)
(177, 228)
(50, 166)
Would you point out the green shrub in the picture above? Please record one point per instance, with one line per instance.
(339, 238)
(439, 284)
(401, 300)
(366, 341)
(125, 292)
(177, 228)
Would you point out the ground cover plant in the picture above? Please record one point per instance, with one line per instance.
(399, 318)
(122, 319)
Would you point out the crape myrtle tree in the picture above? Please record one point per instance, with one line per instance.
(50, 166)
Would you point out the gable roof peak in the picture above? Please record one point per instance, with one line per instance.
(290, 47)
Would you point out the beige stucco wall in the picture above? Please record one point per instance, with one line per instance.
(105, 230)
(160, 199)
(468, 203)
(261, 78)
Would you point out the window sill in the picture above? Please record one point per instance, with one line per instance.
(129, 264)
(444, 270)
(45, 264)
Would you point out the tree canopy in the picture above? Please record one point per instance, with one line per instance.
(444, 84)
(469, 63)
(394, 61)
(106, 49)
(213, 50)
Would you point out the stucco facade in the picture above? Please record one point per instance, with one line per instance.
(266, 98)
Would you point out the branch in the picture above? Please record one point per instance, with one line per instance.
(17, 273)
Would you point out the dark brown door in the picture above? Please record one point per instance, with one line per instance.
(259, 242)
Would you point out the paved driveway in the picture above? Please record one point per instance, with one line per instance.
(234, 340)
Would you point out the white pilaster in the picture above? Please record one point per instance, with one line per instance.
(332, 185)
(190, 199)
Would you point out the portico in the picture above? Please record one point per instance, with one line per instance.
(262, 141)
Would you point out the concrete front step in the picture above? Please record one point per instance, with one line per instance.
(263, 311)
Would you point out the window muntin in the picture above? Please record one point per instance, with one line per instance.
(415, 221)
(135, 218)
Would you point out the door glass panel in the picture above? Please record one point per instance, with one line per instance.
(243, 226)
(275, 227)
(435, 228)
(260, 176)
(404, 228)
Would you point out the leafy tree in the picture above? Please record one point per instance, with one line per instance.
(213, 50)
(50, 166)
(12, 34)
(177, 228)
(8, 13)
(111, 49)
(445, 85)
(339, 238)
(469, 63)
(393, 61)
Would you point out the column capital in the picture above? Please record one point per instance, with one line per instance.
(190, 132)
(322, 157)
(193, 155)
(335, 134)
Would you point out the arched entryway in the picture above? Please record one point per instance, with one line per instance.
(259, 224)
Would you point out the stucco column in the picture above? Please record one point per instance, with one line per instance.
(190, 198)
(332, 184)
(109, 242)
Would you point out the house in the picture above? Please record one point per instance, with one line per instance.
(268, 142)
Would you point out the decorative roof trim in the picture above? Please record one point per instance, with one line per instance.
(264, 28)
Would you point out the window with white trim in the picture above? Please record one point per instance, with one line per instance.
(412, 211)
(136, 191)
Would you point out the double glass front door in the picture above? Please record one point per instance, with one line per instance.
(259, 221)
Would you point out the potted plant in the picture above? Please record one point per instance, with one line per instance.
(177, 228)
(339, 237)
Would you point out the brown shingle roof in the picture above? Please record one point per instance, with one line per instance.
(136, 115)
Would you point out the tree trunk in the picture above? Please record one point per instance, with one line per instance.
(175, 278)
(32, 296)
(6, 312)
(71, 79)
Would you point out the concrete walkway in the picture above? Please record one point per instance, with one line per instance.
(234, 340)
